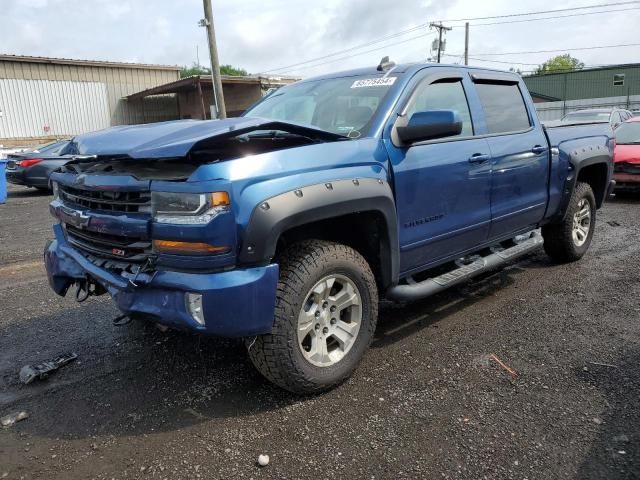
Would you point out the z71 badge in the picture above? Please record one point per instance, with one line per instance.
(118, 252)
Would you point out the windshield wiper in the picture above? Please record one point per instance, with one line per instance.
(285, 134)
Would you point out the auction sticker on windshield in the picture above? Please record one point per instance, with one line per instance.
(374, 82)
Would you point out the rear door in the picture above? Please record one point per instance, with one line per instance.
(442, 186)
(519, 154)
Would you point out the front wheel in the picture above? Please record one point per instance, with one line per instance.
(569, 240)
(326, 314)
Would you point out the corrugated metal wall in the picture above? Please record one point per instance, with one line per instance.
(587, 83)
(118, 81)
(45, 108)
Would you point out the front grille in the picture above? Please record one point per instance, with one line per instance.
(104, 245)
(624, 167)
(106, 200)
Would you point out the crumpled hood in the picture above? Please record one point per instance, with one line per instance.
(627, 154)
(176, 138)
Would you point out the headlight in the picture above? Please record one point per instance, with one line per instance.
(188, 208)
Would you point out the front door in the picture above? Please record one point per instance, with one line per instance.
(442, 186)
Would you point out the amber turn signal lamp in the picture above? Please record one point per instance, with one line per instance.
(220, 199)
(172, 247)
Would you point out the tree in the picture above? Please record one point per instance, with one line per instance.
(560, 63)
(195, 69)
(233, 71)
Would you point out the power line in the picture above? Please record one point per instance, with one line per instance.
(503, 62)
(424, 25)
(541, 12)
(492, 61)
(559, 50)
(548, 18)
(355, 47)
(360, 53)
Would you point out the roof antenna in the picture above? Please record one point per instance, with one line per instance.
(385, 64)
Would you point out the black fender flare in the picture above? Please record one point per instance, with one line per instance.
(578, 161)
(323, 201)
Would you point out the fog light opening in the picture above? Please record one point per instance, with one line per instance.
(193, 301)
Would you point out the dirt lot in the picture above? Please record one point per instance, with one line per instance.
(427, 402)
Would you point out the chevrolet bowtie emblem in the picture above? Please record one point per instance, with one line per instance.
(77, 218)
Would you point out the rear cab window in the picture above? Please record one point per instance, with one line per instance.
(504, 108)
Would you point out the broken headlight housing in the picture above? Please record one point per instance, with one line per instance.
(188, 208)
(54, 188)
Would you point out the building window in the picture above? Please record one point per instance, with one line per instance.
(618, 80)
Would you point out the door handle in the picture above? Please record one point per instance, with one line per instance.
(479, 158)
(538, 149)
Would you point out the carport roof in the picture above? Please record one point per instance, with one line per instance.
(189, 83)
(83, 63)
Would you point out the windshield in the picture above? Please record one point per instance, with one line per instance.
(587, 117)
(53, 148)
(628, 133)
(339, 105)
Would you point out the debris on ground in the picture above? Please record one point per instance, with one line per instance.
(263, 460)
(603, 364)
(12, 418)
(509, 370)
(29, 373)
(613, 223)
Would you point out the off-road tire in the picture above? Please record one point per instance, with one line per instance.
(277, 355)
(558, 239)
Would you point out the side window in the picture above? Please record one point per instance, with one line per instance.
(504, 107)
(443, 95)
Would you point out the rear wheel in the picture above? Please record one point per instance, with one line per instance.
(326, 313)
(569, 240)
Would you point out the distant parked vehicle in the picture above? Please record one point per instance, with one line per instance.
(34, 167)
(627, 156)
(615, 116)
(635, 113)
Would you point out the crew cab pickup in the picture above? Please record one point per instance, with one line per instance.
(286, 226)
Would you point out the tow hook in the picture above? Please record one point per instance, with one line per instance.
(84, 289)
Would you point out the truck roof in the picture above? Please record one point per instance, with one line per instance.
(405, 68)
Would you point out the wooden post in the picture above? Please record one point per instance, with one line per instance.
(204, 110)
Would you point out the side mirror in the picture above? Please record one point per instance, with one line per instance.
(430, 125)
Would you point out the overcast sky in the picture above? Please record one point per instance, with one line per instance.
(260, 35)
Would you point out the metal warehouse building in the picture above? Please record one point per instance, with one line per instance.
(556, 94)
(46, 98)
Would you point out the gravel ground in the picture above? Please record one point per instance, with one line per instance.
(428, 401)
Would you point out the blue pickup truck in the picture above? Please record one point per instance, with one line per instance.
(286, 226)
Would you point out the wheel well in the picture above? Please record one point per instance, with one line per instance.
(365, 232)
(596, 176)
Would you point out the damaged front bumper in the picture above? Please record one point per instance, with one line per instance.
(235, 303)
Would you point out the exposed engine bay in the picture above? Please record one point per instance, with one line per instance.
(213, 150)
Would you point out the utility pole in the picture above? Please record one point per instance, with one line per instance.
(466, 43)
(218, 95)
(440, 29)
